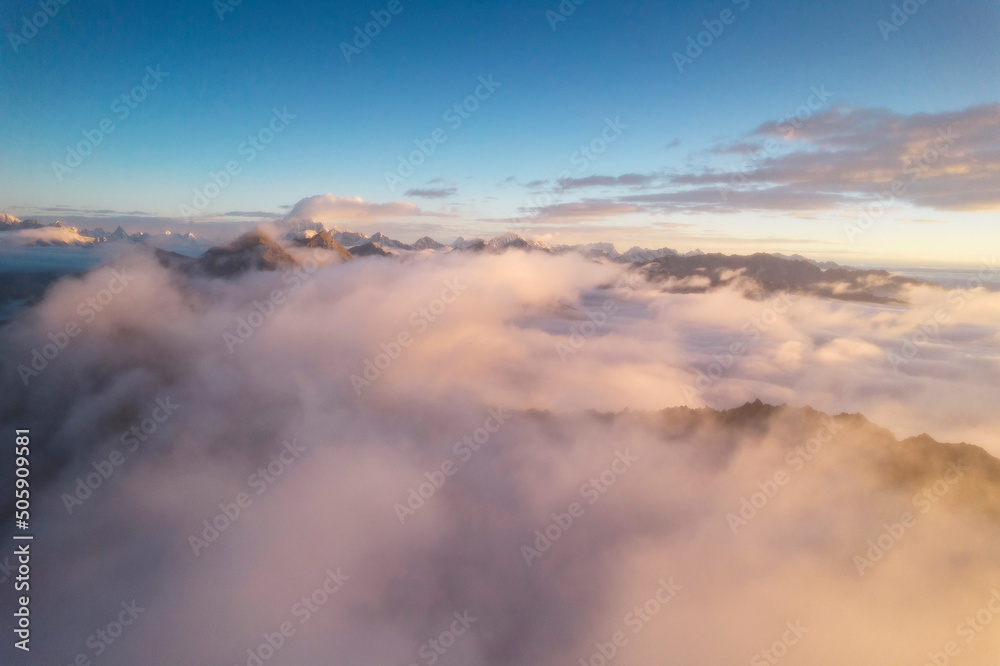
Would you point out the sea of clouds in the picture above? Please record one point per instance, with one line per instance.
(267, 442)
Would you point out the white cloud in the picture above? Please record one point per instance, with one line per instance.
(495, 345)
(334, 209)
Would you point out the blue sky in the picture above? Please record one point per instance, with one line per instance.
(558, 88)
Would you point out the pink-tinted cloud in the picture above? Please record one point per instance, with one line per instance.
(841, 157)
(328, 207)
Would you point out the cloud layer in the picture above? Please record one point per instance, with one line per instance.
(835, 158)
(327, 394)
(333, 209)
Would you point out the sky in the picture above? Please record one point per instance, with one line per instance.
(858, 131)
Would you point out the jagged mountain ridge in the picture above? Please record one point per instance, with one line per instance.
(855, 446)
(719, 435)
(370, 249)
(254, 250)
(697, 274)
(323, 240)
(299, 231)
(692, 272)
(10, 223)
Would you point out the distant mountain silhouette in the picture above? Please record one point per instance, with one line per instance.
(771, 273)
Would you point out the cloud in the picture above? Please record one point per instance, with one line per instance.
(585, 209)
(215, 230)
(944, 161)
(521, 333)
(432, 193)
(260, 214)
(330, 208)
(712, 199)
(839, 158)
(921, 220)
(739, 148)
(625, 180)
(88, 212)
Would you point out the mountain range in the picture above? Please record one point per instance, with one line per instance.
(301, 231)
(268, 249)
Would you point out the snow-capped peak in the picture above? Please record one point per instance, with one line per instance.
(636, 254)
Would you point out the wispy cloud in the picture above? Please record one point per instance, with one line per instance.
(251, 213)
(625, 180)
(585, 209)
(83, 211)
(921, 220)
(840, 158)
(431, 192)
(501, 345)
(739, 148)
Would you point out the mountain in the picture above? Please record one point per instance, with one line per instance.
(609, 252)
(118, 235)
(97, 234)
(102, 236)
(11, 223)
(513, 240)
(301, 230)
(254, 250)
(798, 257)
(298, 229)
(501, 243)
(31, 234)
(428, 243)
(183, 243)
(305, 228)
(474, 245)
(348, 238)
(863, 449)
(769, 273)
(641, 255)
(691, 272)
(323, 240)
(593, 250)
(384, 241)
(292, 228)
(370, 250)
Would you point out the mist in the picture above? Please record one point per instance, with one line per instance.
(504, 459)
